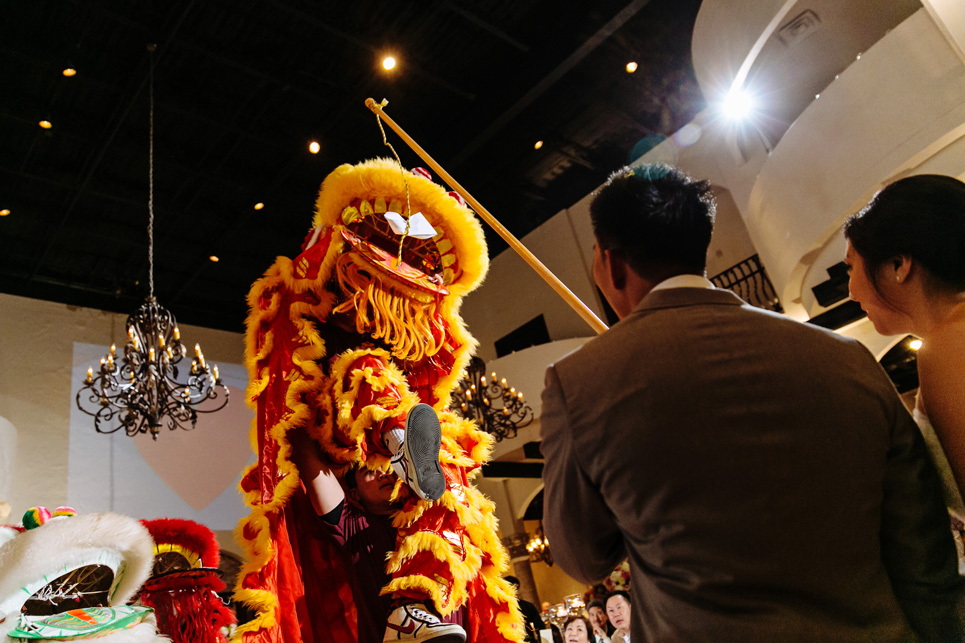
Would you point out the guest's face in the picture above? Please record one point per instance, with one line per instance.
(618, 611)
(598, 617)
(875, 299)
(576, 633)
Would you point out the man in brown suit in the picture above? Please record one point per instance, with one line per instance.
(762, 475)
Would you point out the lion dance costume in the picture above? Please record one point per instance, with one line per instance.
(185, 581)
(343, 341)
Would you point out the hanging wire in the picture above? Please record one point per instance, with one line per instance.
(150, 184)
(408, 208)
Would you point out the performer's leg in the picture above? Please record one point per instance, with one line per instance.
(416, 459)
(377, 412)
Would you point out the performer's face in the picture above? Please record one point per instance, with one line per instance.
(374, 489)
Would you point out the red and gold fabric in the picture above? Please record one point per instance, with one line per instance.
(401, 296)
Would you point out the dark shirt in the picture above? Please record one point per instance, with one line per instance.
(533, 621)
(365, 540)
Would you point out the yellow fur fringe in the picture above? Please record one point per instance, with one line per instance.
(397, 319)
(457, 225)
(383, 178)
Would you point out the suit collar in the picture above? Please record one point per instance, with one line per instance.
(678, 297)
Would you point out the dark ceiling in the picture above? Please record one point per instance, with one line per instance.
(242, 86)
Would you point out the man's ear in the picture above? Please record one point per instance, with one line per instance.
(617, 268)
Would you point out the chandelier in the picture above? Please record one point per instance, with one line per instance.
(539, 547)
(497, 407)
(140, 391)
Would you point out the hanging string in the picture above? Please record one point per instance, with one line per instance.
(408, 208)
(150, 183)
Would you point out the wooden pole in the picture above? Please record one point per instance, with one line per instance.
(575, 303)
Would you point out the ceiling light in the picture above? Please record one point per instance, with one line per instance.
(388, 62)
(738, 104)
(914, 344)
(631, 67)
(46, 124)
(4, 212)
(69, 71)
(214, 259)
(259, 206)
(538, 145)
(313, 147)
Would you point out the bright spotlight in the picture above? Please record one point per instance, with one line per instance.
(738, 104)
(314, 147)
(914, 344)
(388, 63)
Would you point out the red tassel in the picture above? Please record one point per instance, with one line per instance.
(190, 615)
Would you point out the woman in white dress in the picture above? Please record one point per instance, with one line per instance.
(906, 254)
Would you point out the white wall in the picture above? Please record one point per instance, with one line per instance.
(513, 293)
(37, 389)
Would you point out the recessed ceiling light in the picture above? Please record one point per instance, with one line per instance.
(214, 258)
(69, 71)
(631, 67)
(46, 124)
(538, 145)
(4, 212)
(388, 63)
(259, 206)
(313, 147)
(914, 344)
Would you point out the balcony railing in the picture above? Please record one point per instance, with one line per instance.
(750, 282)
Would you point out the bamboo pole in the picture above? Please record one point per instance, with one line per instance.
(575, 303)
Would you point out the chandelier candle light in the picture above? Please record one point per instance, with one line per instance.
(140, 392)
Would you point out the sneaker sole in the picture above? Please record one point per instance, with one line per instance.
(445, 638)
(423, 438)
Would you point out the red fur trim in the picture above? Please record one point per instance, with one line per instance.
(188, 534)
(185, 581)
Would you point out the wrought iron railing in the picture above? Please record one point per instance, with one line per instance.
(750, 282)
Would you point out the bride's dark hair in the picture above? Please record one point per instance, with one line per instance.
(922, 217)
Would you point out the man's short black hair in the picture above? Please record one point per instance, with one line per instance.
(656, 218)
(617, 592)
(512, 580)
(596, 603)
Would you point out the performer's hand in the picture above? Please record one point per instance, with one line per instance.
(306, 454)
(323, 488)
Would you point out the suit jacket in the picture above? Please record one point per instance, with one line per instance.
(762, 476)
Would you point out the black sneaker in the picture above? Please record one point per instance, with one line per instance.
(417, 462)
